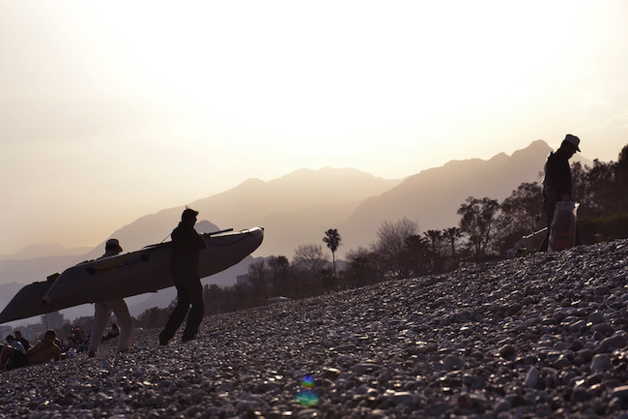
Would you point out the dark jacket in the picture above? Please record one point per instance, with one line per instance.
(186, 243)
(24, 343)
(557, 177)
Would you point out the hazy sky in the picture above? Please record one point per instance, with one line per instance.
(112, 110)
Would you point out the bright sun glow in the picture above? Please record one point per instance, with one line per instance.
(137, 106)
(300, 70)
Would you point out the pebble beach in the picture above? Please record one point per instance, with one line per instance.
(543, 335)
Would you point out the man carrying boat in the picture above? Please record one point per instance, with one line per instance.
(186, 243)
(103, 310)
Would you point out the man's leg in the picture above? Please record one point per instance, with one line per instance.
(7, 351)
(102, 313)
(121, 310)
(177, 315)
(549, 214)
(578, 236)
(195, 317)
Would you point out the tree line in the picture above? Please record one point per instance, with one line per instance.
(486, 230)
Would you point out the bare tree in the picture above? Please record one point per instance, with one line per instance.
(257, 276)
(391, 245)
(309, 257)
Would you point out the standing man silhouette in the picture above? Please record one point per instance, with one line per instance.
(557, 185)
(186, 243)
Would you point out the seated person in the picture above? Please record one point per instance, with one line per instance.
(113, 333)
(22, 340)
(15, 344)
(44, 351)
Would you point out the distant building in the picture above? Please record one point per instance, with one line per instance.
(4, 332)
(33, 332)
(54, 320)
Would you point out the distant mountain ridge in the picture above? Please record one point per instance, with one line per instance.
(433, 196)
(297, 208)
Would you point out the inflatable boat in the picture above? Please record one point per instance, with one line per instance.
(120, 276)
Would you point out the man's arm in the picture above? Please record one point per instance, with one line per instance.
(34, 349)
(199, 241)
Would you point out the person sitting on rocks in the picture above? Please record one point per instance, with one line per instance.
(113, 333)
(77, 339)
(15, 344)
(44, 351)
(22, 340)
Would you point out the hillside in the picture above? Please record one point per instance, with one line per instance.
(432, 197)
(540, 336)
(297, 208)
(288, 207)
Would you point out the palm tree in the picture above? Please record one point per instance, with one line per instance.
(434, 236)
(452, 234)
(332, 239)
(418, 246)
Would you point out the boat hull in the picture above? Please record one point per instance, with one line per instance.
(145, 270)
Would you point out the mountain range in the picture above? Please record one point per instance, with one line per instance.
(299, 207)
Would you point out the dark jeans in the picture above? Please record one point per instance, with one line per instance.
(549, 213)
(189, 292)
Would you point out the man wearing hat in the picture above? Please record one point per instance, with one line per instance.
(103, 310)
(557, 184)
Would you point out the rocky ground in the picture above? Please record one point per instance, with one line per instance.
(537, 336)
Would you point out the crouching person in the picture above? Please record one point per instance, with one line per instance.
(45, 351)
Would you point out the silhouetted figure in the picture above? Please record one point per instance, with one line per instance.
(113, 333)
(77, 338)
(557, 185)
(186, 243)
(22, 339)
(15, 344)
(103, 310)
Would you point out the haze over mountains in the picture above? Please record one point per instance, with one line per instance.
(297, 208)
(432, 197)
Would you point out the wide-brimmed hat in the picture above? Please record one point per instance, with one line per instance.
(113, 244)
(572, 139)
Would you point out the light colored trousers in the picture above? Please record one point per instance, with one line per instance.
(102, 313)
